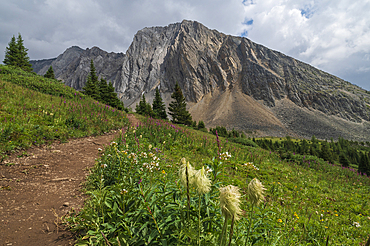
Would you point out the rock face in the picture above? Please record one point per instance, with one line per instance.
(73, 66)
(226, 80)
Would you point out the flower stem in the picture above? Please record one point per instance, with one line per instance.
(199, 221)
(249, 228)
(231, 230)
(223, 233)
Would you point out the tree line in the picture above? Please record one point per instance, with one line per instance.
(177, 108)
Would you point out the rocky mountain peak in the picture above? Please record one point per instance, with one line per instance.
(226, 80)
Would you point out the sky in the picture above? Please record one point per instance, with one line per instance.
(332, 35)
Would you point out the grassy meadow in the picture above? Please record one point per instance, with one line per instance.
(160, 183)
(137, 197)
(35, 110)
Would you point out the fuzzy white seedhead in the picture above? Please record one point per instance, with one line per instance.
(202, 182)
(255, 191)
(230, 202)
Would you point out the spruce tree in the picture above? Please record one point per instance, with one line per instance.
(50, 73)
(159, 109)
(177, 108)
(16, 54)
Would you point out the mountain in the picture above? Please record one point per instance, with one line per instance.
(227, 80)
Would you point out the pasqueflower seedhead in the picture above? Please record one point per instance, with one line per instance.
(255, 191)
(230, 202)
(202, 182)
(182, 172)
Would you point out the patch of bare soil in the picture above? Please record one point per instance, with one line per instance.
(37, 189)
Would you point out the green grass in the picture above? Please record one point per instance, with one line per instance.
(307, 201)
(30, 116)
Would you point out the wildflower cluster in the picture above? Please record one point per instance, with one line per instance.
(151, 166)
(225, 156)
(250, 165)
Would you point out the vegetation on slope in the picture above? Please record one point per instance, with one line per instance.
(137, 197)
(34, 110)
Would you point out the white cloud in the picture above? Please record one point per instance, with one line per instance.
(333, 35)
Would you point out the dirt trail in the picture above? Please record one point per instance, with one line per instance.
(38, 189)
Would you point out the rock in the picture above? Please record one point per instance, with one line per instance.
(66, 204)
(217, 71)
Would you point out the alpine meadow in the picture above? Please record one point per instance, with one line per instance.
(199, 164)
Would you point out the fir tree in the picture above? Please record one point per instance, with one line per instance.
(343, 160)
(144, 108)
(159, 109)
(177, 108)
(91, 87)
(50, 73)
(103, 92)
(16, 54)
(11, 53)
(201, 125)
(112, 98)
(23, 59)
(364, 164)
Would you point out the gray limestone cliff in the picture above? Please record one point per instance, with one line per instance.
(226, 80)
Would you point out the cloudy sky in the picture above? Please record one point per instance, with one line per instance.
(332, 35)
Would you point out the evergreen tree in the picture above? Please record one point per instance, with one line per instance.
(201, 125)
(177, 108)
(343, 160)
(16, 54)
(91, 87)
(23, 59)
(144, 108)
(112, 98)
(104, 93)
(50, 73)
(364, 165)
(159, 108)
(11, 53)
(325, 152)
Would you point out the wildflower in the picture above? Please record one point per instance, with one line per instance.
(150, 147)
(230, 201)
(280, 221)
(202, 182)
(163, 171)
(141, 136)
(123, 191)
(99, 149)
(356, 224)
(208, 170)
(104, 165)
(113, 143)
(255, 191)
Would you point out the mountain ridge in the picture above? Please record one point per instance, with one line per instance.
(207, 63)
